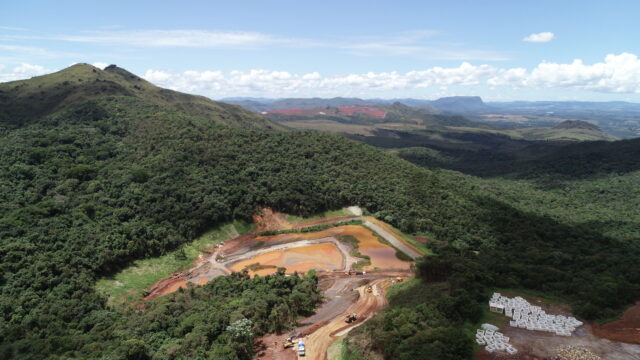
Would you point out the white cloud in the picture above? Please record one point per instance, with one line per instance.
(30, 70)
(174, 38)
(417, 43)
(542, 37)
(282, 83)
(23, 71)
(615, 74)
(100, 65)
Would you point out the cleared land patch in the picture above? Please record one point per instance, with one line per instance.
(131, 283)
(301, 259)
(540, 344)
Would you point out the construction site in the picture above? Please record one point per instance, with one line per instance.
(353, 274)
(533, 328)
(356, 259)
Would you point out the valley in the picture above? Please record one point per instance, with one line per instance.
(142, 223)
(354, 277)
(347, 259)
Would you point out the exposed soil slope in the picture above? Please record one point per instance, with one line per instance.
(627, 329)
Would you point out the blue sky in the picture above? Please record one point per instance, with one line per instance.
(501, 50)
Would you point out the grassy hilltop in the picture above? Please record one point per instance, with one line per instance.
(24, 100)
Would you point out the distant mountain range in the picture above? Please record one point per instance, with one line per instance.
(455, 104)
(619, 118)
(452, 104)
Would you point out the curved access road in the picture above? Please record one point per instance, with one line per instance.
(317, 343)
(393, 240)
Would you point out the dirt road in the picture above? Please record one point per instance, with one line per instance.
(344, 295)
(543, 344)
(393, 240)
(367, 304)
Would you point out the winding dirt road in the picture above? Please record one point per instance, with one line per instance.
(367, 304)
(344, 294)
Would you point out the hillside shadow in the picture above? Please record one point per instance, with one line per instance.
(573, 261)
(494, 156)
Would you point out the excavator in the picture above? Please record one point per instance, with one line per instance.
(369, 289)
(351, 318)
(288, 342)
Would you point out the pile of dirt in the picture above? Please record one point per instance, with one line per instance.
(268, 219)
(626, 330)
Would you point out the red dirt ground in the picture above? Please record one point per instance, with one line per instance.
(340, 110)
(369, 110)
(382, 256)
(626, 330)
(301, 259)
(270, 220)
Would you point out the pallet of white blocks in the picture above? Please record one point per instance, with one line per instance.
(531, 317)
(494, 341)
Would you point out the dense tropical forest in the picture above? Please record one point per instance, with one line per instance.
(98, 181)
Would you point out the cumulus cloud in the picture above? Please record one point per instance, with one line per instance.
(616, 74)
(22, 71)
(542, 37)
(100, 65)
(280, 83)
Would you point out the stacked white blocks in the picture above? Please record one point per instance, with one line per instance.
(494, 341)
(531, 317)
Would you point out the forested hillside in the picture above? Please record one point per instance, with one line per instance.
(25, 100)
(95, 183)
(88, 189)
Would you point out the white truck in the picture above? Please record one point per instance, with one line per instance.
(301, 348)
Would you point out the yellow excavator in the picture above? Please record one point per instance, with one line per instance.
(369, 289)
(288, 342)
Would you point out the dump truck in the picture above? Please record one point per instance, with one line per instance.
(351, 318)
(301, 348)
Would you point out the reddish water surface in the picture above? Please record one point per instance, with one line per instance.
(301, 259)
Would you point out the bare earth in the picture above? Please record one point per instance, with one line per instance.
(543, 345)
(344, 295)
(627, 329)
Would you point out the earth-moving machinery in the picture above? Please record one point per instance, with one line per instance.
(288, 342)
(351, 318)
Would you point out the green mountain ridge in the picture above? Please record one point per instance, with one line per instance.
(24, 100)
